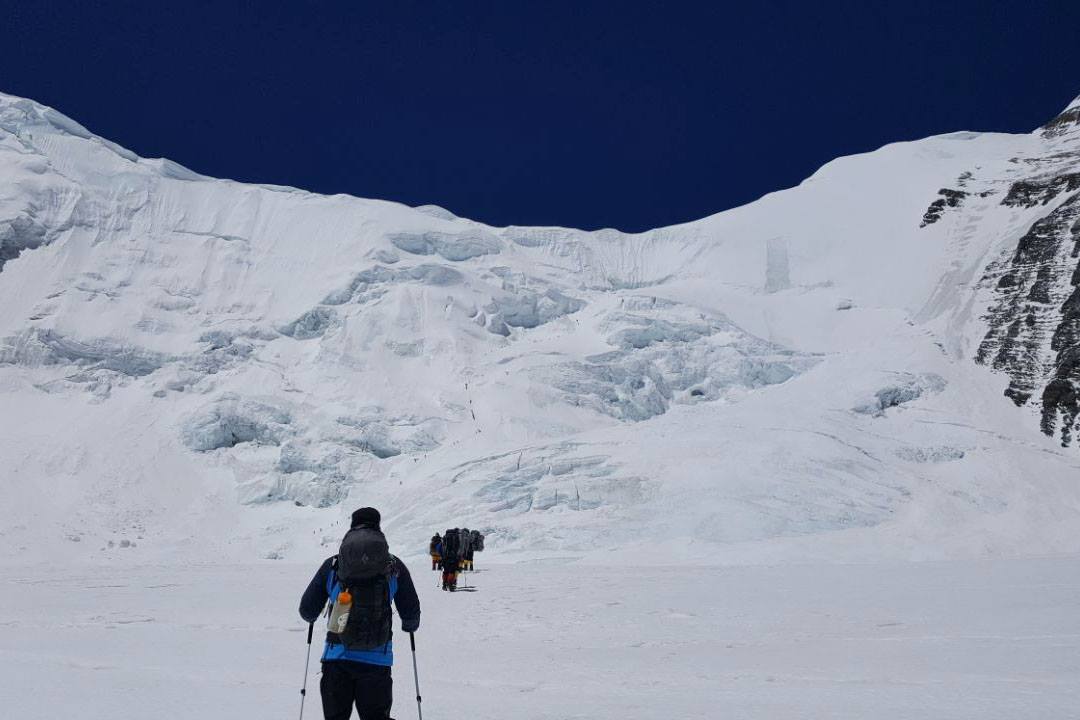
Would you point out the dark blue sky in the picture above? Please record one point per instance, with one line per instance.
(627, 115)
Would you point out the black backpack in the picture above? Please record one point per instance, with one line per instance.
(364, 566)
(451, 543)
(477, 541)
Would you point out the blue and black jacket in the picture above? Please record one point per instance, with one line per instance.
(325, 585)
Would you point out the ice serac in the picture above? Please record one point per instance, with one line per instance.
(220, 366)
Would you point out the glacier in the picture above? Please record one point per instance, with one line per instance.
(212, 366)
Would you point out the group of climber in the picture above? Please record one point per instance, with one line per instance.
(452, 553)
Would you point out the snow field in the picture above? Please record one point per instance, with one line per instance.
(986, 640)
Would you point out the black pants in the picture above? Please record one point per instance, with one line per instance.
(345, 683)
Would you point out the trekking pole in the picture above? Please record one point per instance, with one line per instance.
(303, 690)
(415, 676)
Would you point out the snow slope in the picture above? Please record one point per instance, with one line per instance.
(193, 365)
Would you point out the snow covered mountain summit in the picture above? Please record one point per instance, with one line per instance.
(192, 363)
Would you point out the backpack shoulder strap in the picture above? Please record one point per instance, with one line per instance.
(331, 577)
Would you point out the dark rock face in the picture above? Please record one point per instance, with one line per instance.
(1061, 398)
(949, 198)
(1034, 333)
(1029, 193)
(1062, 124)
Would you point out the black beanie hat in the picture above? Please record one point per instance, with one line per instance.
(366, 516)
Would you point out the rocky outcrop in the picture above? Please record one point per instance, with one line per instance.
(1066, 122)
(1034, 333)
(1040, 191)
(949, 198)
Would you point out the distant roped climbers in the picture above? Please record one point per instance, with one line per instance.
(453, 553)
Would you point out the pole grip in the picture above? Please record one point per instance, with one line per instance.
(412, 641)
(310, 630)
